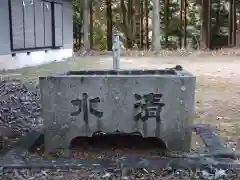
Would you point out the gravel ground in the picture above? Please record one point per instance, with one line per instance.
(217, 99)
(19, 110)
(116, 174)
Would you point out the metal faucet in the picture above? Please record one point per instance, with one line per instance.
(116, 50)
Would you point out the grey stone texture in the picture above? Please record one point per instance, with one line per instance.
(81, 103)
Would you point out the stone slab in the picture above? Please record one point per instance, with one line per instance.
(156, 103)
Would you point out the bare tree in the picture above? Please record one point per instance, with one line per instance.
(205, 40)
(86, 23)
(156, 26)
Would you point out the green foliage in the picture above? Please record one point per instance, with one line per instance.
(99, 38)
(77, 4)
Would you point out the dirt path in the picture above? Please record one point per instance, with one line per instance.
(218, 83)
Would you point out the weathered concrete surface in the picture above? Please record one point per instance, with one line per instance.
(109, 106)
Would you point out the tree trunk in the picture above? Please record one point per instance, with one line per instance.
(109, 25)
(185, 24)
(139, 23)
(91, 23)
(166, 22)
(205, 40)
(232, 23)
(146, 23)
(156, 26)
(126, 13)
(86, 42)
(130, 24)
(234, 28)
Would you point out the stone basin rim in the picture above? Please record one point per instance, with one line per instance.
(124, 72)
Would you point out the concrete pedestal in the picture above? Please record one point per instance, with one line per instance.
(156, 103)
